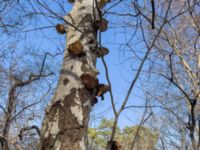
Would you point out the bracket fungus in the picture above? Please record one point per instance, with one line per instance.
(89, 81)
(71, 1)
(95, 101)
(102, 89)
(60, 28)
(75, 48)
(102, 25)
(101, 51)
(102, 3)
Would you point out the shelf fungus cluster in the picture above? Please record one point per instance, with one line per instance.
(78, 88)
(77, 49)
(92, 84)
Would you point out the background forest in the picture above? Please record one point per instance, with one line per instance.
(152, 69)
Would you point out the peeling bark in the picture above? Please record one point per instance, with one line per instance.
(66, 121)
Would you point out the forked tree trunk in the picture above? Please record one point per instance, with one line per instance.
(66, 121)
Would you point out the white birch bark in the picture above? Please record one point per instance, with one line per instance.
(66, 121)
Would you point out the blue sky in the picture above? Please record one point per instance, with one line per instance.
(120, 70)
(119, 63)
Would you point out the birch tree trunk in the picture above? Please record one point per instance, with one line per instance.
(66, 121)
